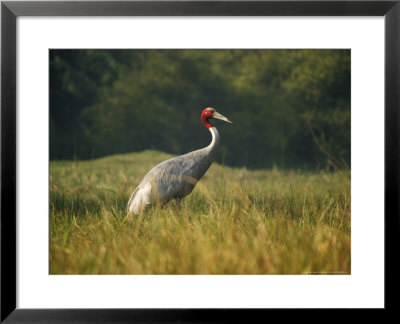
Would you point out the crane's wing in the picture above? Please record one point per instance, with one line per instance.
(176, 177)
(171, 179)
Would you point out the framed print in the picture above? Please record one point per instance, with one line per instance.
(101, 222)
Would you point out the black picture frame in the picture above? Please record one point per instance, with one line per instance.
(10, 10)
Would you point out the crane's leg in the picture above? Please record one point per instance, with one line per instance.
(178, 206)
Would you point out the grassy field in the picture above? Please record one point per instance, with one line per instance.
(236, 221)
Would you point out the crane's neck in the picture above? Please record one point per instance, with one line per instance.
(213, 147)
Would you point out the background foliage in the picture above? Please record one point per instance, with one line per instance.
(290, 108)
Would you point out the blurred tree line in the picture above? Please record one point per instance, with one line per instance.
(290, 108)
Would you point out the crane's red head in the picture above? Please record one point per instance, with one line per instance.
(209, 113)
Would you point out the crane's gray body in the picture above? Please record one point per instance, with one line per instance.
(174, 178)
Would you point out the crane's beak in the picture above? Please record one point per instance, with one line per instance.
(219, 116)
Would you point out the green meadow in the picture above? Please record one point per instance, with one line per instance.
(236, 221)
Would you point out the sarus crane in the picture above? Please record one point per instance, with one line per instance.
(176, 178)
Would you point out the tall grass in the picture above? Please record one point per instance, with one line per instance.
(236, 221)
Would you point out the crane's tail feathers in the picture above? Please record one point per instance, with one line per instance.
(139, 199)
(132, 197)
